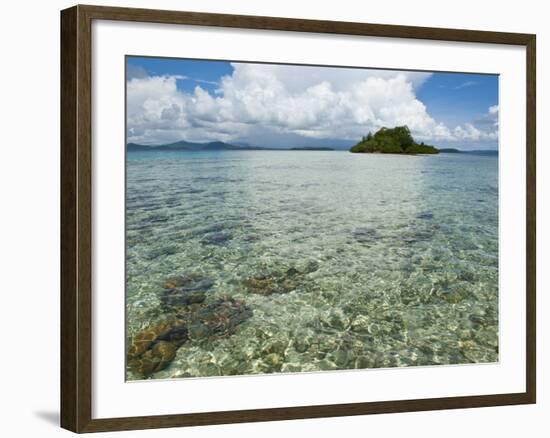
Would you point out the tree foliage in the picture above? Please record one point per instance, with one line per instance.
(396, 140)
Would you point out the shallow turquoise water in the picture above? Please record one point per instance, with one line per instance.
(391, 260)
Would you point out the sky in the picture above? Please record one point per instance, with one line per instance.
(275, 105)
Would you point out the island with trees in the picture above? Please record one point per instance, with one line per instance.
(396, 140)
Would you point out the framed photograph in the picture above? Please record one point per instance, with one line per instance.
(269, 218)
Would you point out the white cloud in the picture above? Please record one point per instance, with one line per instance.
(311, 101)
(465, 85)
(467, 132)
(484, 128)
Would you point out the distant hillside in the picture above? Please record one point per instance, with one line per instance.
(472, 152)
(212, 146)
(312, 149)
(482, 152)
(189, 146)
(396, 140)
(450, 151)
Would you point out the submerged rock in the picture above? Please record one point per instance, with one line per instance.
(453, 294)
(185, 290)
(169, 330)
(218, 319)
(260, 284)
(198, 330)
(280, 282)
(365, 235)
(425, 215)
(291, 272)
(311, 266)
(190, 280)
(153, 348)
(466, 275)
(251, 238)
(201, 285)
(155, 359)
(270, 284)
(417, 235)
(181, 297)
(218, 238)
(301, 345)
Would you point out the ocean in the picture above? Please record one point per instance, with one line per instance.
(340, 260)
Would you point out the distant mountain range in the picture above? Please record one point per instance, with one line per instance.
(475, 152)
(312, 148)
(222, 146)
(190, 146)
(212, 146)
(450, 151)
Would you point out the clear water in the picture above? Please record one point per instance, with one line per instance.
(395, 258)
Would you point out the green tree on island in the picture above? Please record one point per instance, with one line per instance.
(392, 141)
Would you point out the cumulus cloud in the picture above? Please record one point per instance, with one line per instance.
(278, 100)
(484, 128)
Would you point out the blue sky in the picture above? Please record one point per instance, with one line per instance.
(287, 106)
(456, 98)
(206, 74)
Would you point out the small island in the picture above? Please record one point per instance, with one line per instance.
(396, 140)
